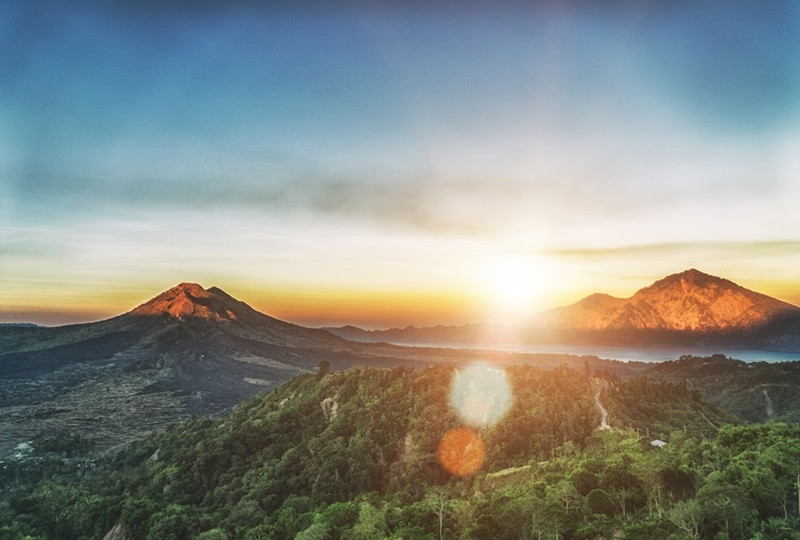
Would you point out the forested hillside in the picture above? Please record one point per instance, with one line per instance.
(753, 391)
(358, 454)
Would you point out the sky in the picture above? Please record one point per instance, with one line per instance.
(393, 163)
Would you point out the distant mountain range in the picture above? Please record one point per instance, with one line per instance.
(195, 351)
(686, 308)
(187, 351)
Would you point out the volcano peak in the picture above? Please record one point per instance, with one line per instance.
(189, 300)
(188, 287)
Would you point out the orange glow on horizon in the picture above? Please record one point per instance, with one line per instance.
(309, 306)
(374, 309)
(62, 303)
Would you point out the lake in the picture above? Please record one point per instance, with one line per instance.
(654, 354)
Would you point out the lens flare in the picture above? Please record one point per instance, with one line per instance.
(480, 394)
(461, 451)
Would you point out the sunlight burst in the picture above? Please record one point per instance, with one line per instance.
(514, 284)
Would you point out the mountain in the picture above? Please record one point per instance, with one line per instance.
(440, 334)
(689, 301)
(688, 308)
(188, 351)
(189, 305)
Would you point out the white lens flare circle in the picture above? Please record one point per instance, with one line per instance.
(480, 394)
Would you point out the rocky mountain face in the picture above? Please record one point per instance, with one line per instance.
(188, 305)
(689, 301)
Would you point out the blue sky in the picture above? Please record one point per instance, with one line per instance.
(316, 148)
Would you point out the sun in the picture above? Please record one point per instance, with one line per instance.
(514, 285)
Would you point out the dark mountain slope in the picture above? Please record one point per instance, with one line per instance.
(188, 350)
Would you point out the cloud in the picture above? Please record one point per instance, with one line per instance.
(555, 136)
(748, 248)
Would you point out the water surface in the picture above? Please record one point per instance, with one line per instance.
(652, 354)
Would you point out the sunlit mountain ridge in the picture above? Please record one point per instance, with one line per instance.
(690, 307)
(688, 301)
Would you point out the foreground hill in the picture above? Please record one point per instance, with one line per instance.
(360, 454)
(188, 351)
(689, 308)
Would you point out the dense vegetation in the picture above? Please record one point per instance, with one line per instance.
(354, 455)
(753, 391)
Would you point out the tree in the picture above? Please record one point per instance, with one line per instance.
(599, 502)
(436, 501)
(525, 516)
(557, 504)
(371, 523)
(136, 514)
(686, 516)
(464, 514)
(171, 523)
(324, 368)
(213, 534)
(315, 531)
(338, 516)
(724, 504)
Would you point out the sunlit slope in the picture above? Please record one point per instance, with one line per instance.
(689, 301)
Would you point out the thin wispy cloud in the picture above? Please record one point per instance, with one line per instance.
(746, 248)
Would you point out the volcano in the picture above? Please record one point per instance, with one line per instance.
(187, 351)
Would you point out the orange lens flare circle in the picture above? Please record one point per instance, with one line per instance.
(461, 451)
